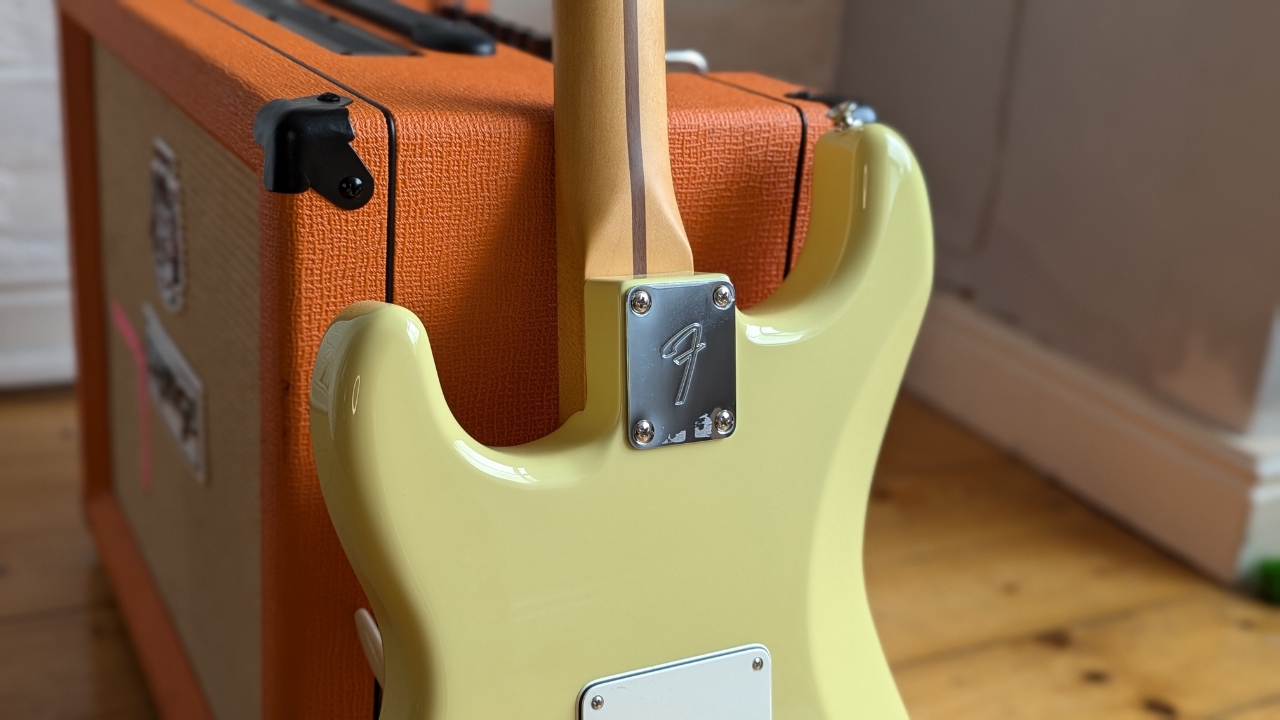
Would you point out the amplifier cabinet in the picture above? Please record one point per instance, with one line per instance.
(202, 296)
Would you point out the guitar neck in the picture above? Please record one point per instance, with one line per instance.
(616, 211)
(616, 207)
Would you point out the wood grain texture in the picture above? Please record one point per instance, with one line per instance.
(76, 663)
(616, 212)
(996, 594)
(610, 116)
(64, 651)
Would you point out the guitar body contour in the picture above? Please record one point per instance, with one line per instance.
(505, 580)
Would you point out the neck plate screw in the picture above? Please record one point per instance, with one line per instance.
(723, 421)
(643, 432)
(641, 302)
(722, 296)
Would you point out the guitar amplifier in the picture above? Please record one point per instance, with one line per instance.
(239, 172)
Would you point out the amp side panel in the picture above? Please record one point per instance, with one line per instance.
(184, 377)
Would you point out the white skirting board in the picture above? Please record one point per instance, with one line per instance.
(35, 335)
(1207, 495)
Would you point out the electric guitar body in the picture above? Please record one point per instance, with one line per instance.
(689, 544)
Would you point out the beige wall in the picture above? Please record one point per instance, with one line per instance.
(795, 40)
(1104, 175)
(35, 300)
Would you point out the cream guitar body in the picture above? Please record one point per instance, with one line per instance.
(513, 583)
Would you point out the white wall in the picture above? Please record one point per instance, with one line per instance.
(1104, 175)
(35, 316)
(796, 40)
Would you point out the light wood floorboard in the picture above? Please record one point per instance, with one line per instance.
(997, 594)
(64, 651)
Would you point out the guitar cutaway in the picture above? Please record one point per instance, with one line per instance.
(505, 581)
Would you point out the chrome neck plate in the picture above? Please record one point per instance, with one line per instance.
(681, 361)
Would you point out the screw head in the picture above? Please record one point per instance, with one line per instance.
(643, 432)
(329, 97)
(757, 664)
(641, 302)
(723, 421)
(722, 296)
(351, 187)
(597, 702)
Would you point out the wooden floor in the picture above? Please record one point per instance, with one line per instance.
(64, 652)
(997, 594)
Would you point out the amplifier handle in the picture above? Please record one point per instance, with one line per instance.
(426, 30)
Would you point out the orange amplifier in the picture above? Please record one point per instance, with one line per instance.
(242, 170)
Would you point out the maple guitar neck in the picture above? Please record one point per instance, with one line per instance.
(616, 208)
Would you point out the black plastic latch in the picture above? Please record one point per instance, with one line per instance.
(307, 144)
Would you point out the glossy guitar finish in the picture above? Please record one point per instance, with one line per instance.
(503, 580)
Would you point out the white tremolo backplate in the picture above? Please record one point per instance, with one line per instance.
(730, 685)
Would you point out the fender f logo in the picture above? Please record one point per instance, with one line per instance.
(691, 333)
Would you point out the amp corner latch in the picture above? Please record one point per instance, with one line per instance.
(306, 144)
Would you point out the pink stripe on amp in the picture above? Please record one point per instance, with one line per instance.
(131, 340)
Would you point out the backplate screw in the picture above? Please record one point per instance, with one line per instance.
(643, 432)
(757, 664)
(722, 296)
(723, 422)
(351, 187)
(329, 97)
(597, 702)
(641, 302)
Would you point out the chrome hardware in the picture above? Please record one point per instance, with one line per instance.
(735, 684)
(724, 422)
(722, 296)
(681, 372)
(849, 115)
(642, 433)
(691, 59)
(641, 302)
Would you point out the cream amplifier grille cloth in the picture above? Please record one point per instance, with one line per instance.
(201, 538)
